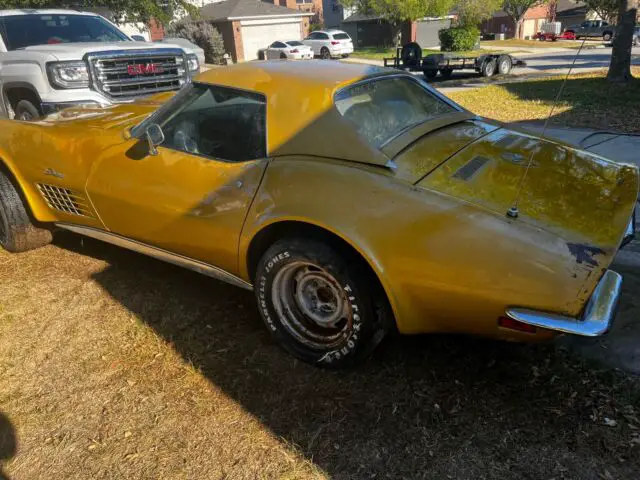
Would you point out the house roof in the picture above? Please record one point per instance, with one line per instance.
(361, 17)
(371, 17)
(232, 9)
(568, 8)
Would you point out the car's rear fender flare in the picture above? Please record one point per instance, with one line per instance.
(252, 249)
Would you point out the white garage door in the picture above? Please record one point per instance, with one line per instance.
(258, 36)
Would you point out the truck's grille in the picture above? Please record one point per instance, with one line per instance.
(134, 73)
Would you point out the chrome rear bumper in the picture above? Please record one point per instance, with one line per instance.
(598, 314)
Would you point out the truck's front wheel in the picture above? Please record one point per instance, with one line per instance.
(26, 111)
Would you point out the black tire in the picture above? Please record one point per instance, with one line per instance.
(325, 54)
(283, 56)
(411, 55)
(488, 67)
(345, 55)
(606, 36)
(430, 74)
(17, 232)
(446, 73)
(299, 279)
(504, 65)
(27, 111)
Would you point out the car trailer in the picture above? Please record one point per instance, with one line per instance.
(409, 58)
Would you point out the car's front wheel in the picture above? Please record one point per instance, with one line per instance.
(17, 232)
(319, 305)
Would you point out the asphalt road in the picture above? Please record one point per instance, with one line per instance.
(588, 59)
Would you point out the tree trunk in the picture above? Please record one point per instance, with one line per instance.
(519, 24)
(620, 66)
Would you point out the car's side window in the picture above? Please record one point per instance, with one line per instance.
(278, 45)
(323, 36)
(313, 36)
(218, 123)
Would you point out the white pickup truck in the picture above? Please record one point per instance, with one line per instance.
(52, 59)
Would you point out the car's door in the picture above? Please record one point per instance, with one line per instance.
(192, 196)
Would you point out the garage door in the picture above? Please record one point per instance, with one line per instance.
(259, 36)
(427, 32)
(528, 29)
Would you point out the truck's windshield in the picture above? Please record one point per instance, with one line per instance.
(22, 31)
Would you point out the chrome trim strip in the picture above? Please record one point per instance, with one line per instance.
(158, 253)
(630, 232)
(598, 314)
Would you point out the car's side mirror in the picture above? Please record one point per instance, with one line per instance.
(155, 137)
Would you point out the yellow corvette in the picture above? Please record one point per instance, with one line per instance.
(352, 200)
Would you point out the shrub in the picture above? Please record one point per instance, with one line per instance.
(203, 34)
(458, 38)
(313, 26)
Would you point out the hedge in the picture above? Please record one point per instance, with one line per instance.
(458, 38)
(203, 34)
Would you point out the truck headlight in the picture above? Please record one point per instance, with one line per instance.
(193, 64)
(68, 74)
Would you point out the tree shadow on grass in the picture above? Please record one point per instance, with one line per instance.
(422, 407)
(8, 444)
(593, 102)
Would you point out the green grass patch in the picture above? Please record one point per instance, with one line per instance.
(588, 101)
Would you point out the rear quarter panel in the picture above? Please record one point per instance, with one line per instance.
(445, 264)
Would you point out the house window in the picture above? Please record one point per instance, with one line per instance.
(304, 1)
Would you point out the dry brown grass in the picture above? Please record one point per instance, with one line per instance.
(113, 365)
(587, 100)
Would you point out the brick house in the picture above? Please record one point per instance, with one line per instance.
(533, 20)
(247, 26)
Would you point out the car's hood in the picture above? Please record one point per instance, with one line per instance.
(75, 51)
(108, 117)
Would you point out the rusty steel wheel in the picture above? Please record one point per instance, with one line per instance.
(321, 305)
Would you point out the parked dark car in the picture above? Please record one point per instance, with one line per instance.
(591, 29)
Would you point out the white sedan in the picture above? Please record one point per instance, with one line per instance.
(291, 50)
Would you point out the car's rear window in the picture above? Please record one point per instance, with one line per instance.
(22, 31)
(383, 108)
(294, 43)
(341, 36)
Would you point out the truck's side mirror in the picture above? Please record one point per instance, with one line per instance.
(155, 137)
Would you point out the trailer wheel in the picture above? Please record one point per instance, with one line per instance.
(488, 67)
(446, 72)
(504, 64)
(430, 74)
(606, 36)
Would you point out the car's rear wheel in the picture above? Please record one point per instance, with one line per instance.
(17, 232)
(325, 54)
(320, 306)
(26, 111)
(283, 56)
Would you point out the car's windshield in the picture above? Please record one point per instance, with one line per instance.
(381, 109)
(294, 43)
(20, 31)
